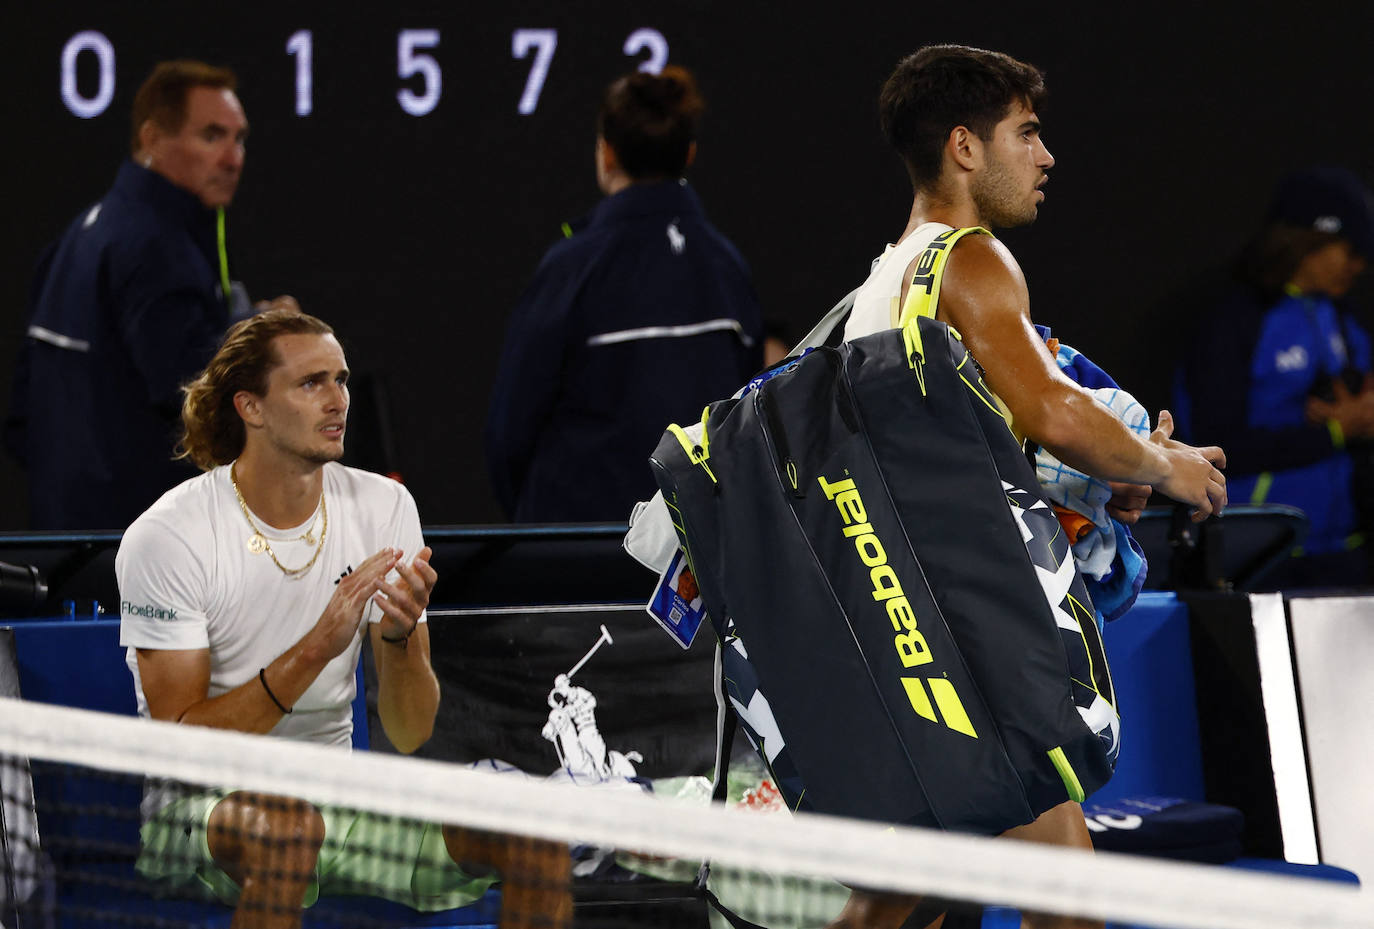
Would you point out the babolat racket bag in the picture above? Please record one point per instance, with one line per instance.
(904, 634)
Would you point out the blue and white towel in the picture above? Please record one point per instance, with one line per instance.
(1086, 495)
(1111, 560)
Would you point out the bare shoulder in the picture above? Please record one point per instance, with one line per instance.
(982, 279)
(984, 297)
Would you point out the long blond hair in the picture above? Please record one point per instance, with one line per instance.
(212, 431)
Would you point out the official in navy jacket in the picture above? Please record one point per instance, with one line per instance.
(638, 319)
(1279, 372)
(131, 301)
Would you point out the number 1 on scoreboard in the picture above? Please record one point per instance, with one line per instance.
(301, 44)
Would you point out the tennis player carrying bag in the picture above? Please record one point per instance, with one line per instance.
(904, 635)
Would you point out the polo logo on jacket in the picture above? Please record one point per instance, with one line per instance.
(676, 240)
(1291, 359)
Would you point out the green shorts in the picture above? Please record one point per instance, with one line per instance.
(402, 860)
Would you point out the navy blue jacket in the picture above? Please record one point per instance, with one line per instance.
(638, 320)
(125, 307)
(1245, 379)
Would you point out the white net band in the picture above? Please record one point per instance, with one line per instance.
(1031, 877)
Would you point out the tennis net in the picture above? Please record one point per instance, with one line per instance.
(71, 841)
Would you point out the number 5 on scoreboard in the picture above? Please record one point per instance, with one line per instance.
(543, 41)
(410, 62)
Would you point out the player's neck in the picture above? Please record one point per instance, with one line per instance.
(615, 183)
(282, 493)
(948, 204)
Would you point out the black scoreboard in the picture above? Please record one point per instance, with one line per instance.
(88, 75)
(409, 162)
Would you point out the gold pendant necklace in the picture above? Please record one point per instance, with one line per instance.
(257, 542)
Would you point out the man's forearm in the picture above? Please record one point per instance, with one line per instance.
(1085, 435)
(259, 703)
(407, 690)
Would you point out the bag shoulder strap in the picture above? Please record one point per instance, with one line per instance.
(924, 292)
(726, 725)
(831, 326)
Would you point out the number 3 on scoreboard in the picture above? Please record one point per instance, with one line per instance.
(651, 40)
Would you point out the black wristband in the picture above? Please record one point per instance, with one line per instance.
(262, 676)
(402, 641)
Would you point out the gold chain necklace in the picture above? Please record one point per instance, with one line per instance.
(257, 542)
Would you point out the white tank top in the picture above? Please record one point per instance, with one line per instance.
(878, 304)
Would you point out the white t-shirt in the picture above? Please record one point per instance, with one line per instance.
(187, 580)
(877, 306)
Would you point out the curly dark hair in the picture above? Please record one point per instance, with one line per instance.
(941, 87)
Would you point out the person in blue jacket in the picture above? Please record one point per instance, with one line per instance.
(129, 303)
(1278, 371)
(641, 316)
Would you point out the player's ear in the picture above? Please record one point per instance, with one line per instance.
(964, 147)
(691, 154)
(249, 409)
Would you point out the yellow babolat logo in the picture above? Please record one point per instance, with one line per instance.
(926, 694)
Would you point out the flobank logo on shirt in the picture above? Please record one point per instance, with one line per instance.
(146, 610)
